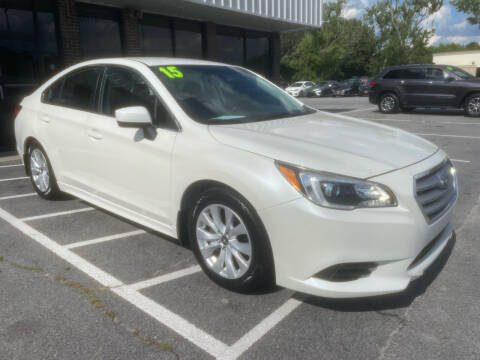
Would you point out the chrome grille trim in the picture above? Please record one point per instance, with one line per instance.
(436, 190)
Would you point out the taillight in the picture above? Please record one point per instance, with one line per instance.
(373, 83)
(17, 110)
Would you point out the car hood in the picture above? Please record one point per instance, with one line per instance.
(293, 88)
(328, 142)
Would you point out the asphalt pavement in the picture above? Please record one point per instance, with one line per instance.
(80, 283)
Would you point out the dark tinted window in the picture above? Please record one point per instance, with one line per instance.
(230, 48)
(188, 39)
(99, 31)
(156, 36)
(123, 88)
(435, 74)
(412, 73)
(79, 89)
(257, 54)
(52, 94)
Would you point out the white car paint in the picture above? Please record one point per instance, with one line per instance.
(114, 168)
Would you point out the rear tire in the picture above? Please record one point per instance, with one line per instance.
(389, 103)
(230, 242)
(472, 105)
(41, 173)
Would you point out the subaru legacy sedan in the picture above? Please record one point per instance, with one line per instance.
(262, 188)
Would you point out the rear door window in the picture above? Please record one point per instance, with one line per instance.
(435, 74)
(79, 89)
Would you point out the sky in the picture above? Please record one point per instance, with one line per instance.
(450, 25)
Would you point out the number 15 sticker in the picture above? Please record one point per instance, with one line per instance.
(171, 71)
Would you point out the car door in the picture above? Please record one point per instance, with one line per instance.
(443, 89)
(127, 167)
(62, 121)
(416, 88)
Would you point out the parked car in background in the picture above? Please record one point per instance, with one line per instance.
(350, 87)
(405, 87)
(300, 88)
(365, 87)
(323, 88)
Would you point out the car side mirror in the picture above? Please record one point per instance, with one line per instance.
(133, 116)
(450, 79)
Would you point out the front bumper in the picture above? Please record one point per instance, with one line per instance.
(307, 239)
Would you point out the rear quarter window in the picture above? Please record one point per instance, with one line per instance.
(52, 94)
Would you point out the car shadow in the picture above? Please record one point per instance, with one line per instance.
(386, 302)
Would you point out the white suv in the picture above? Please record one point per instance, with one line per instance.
(263, 188)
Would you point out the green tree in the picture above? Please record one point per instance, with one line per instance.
(340, 49)
(402, 31)
(454, 47)
(470, 7)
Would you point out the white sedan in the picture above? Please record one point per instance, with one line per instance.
(263, 188)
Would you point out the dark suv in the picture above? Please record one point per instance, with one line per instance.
(406, 87)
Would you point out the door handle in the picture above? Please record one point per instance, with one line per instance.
(94, 134)
(45, 119)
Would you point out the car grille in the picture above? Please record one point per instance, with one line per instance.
(436, 190)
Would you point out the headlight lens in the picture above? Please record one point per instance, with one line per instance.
(336, 191)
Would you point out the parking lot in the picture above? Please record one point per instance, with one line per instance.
(80, 283)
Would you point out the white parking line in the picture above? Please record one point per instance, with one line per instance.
(8, 166)
(461, 161)
(432, 122)
(164, 278)
(449, 135)
(17, 196)
(30, 218)
(178, 324)
(13, 179)
(358, 110)
(255, 334)
(105, 238)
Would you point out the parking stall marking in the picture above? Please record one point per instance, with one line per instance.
(449, 135)
(261, 329)
(166, 317)
(61, 213)
(8, 166)
(461, 161)
(17, 196)
(359, 110)
(104, 239)
(164, 278)
(15, 179)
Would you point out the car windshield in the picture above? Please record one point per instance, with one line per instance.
(460, 73)
(219, 94)
(297, 84)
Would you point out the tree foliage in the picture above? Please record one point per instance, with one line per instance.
(454, 47)
(391, 32)
(340, 49)
(470, 7)
(403, 31)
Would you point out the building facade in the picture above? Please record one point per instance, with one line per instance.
(40, 37)
(468, 60)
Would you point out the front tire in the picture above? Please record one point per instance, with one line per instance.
(41, 173)
(472, 105)
(230, 242)
(389, 103)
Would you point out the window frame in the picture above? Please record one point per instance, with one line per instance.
(175, 126)
(94, 109)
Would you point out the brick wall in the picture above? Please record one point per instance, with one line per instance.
(69, 32)
(131, 33)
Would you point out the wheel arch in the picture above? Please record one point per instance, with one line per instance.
(467, 95)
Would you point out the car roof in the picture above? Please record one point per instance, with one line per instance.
(155, 61)
(406, 66)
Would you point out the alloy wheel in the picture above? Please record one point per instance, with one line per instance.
(39, 170)
(388, 103)
(224, 242)
(474, 105)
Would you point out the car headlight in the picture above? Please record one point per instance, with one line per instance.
(337, 191)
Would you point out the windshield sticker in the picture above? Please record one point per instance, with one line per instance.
(449, 68)
(171, 71)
